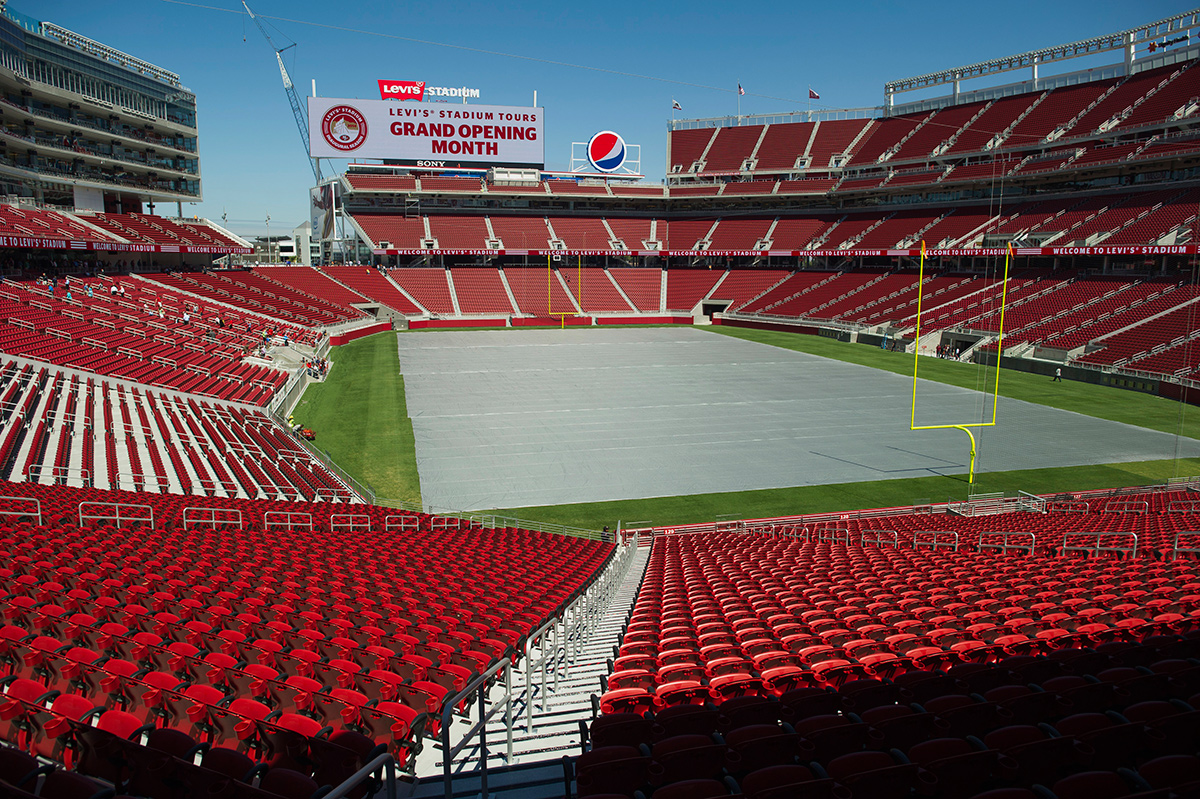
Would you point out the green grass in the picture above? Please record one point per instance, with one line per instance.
(361, 419)
(769, 502)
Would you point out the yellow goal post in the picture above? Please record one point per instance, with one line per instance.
(964, 426)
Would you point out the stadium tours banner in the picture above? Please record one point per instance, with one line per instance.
(486, 134)
(323, 202)
(38, 243)
(982, 252)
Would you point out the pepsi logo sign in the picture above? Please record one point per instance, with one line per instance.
(606, 151)
(344, 128)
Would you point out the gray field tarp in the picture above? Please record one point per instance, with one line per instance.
(516, 418)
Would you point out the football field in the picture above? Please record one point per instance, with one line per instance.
(519, 418)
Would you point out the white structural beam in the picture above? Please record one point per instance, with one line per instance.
(1127, 41)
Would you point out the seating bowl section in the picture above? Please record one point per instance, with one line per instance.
(301, 636)
(784, 661)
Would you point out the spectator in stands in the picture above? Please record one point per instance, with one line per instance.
(89, 290)
(187, 317)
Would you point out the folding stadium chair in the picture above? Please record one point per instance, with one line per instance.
(779, 782)
(611, 769)
(836, 735)
(879, 774)
(756, 746)
(1029, 705)
(1115, 741)
(687, 757)
(901, 726)
(1041, 757)
(625, 729)
(1174, 772)
(627, 700)
(962, 769)
(1175, 720)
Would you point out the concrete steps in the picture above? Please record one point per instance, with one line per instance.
(576, 664)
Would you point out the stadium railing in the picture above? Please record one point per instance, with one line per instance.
(559, 642)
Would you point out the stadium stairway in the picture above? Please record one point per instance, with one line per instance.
(535, 770)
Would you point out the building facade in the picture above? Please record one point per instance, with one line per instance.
(85, 126)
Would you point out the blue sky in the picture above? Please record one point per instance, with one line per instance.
(253, 163)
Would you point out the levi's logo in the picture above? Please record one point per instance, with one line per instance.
(401, 89)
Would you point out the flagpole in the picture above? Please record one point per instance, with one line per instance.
(739, 96)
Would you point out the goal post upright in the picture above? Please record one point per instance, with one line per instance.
(562, 315)
(965, 426)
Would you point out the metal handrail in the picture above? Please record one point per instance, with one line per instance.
(479, 687)
(384, 761)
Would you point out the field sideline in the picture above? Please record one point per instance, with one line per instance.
(360, 417)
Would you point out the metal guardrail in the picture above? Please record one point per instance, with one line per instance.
(1136, 506)
(60, 475)
(995, 503)
(291, 521)
(1005, 543)
(1095, 548)
(1068, 506)
(349, 522)
(830, 533)
(1030, 503)
(212, 518)
(401, 523)
(880, 538)
(492, 520)
(35, 510)
(1176, 549)
(935, 539)
(119, 512)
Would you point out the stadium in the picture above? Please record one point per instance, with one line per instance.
(854, 457)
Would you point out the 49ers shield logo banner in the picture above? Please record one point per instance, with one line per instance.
(344, 128)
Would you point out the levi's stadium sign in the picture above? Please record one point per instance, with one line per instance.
(418, 90)
(496, 135)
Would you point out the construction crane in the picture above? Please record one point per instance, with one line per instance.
(298, 109)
